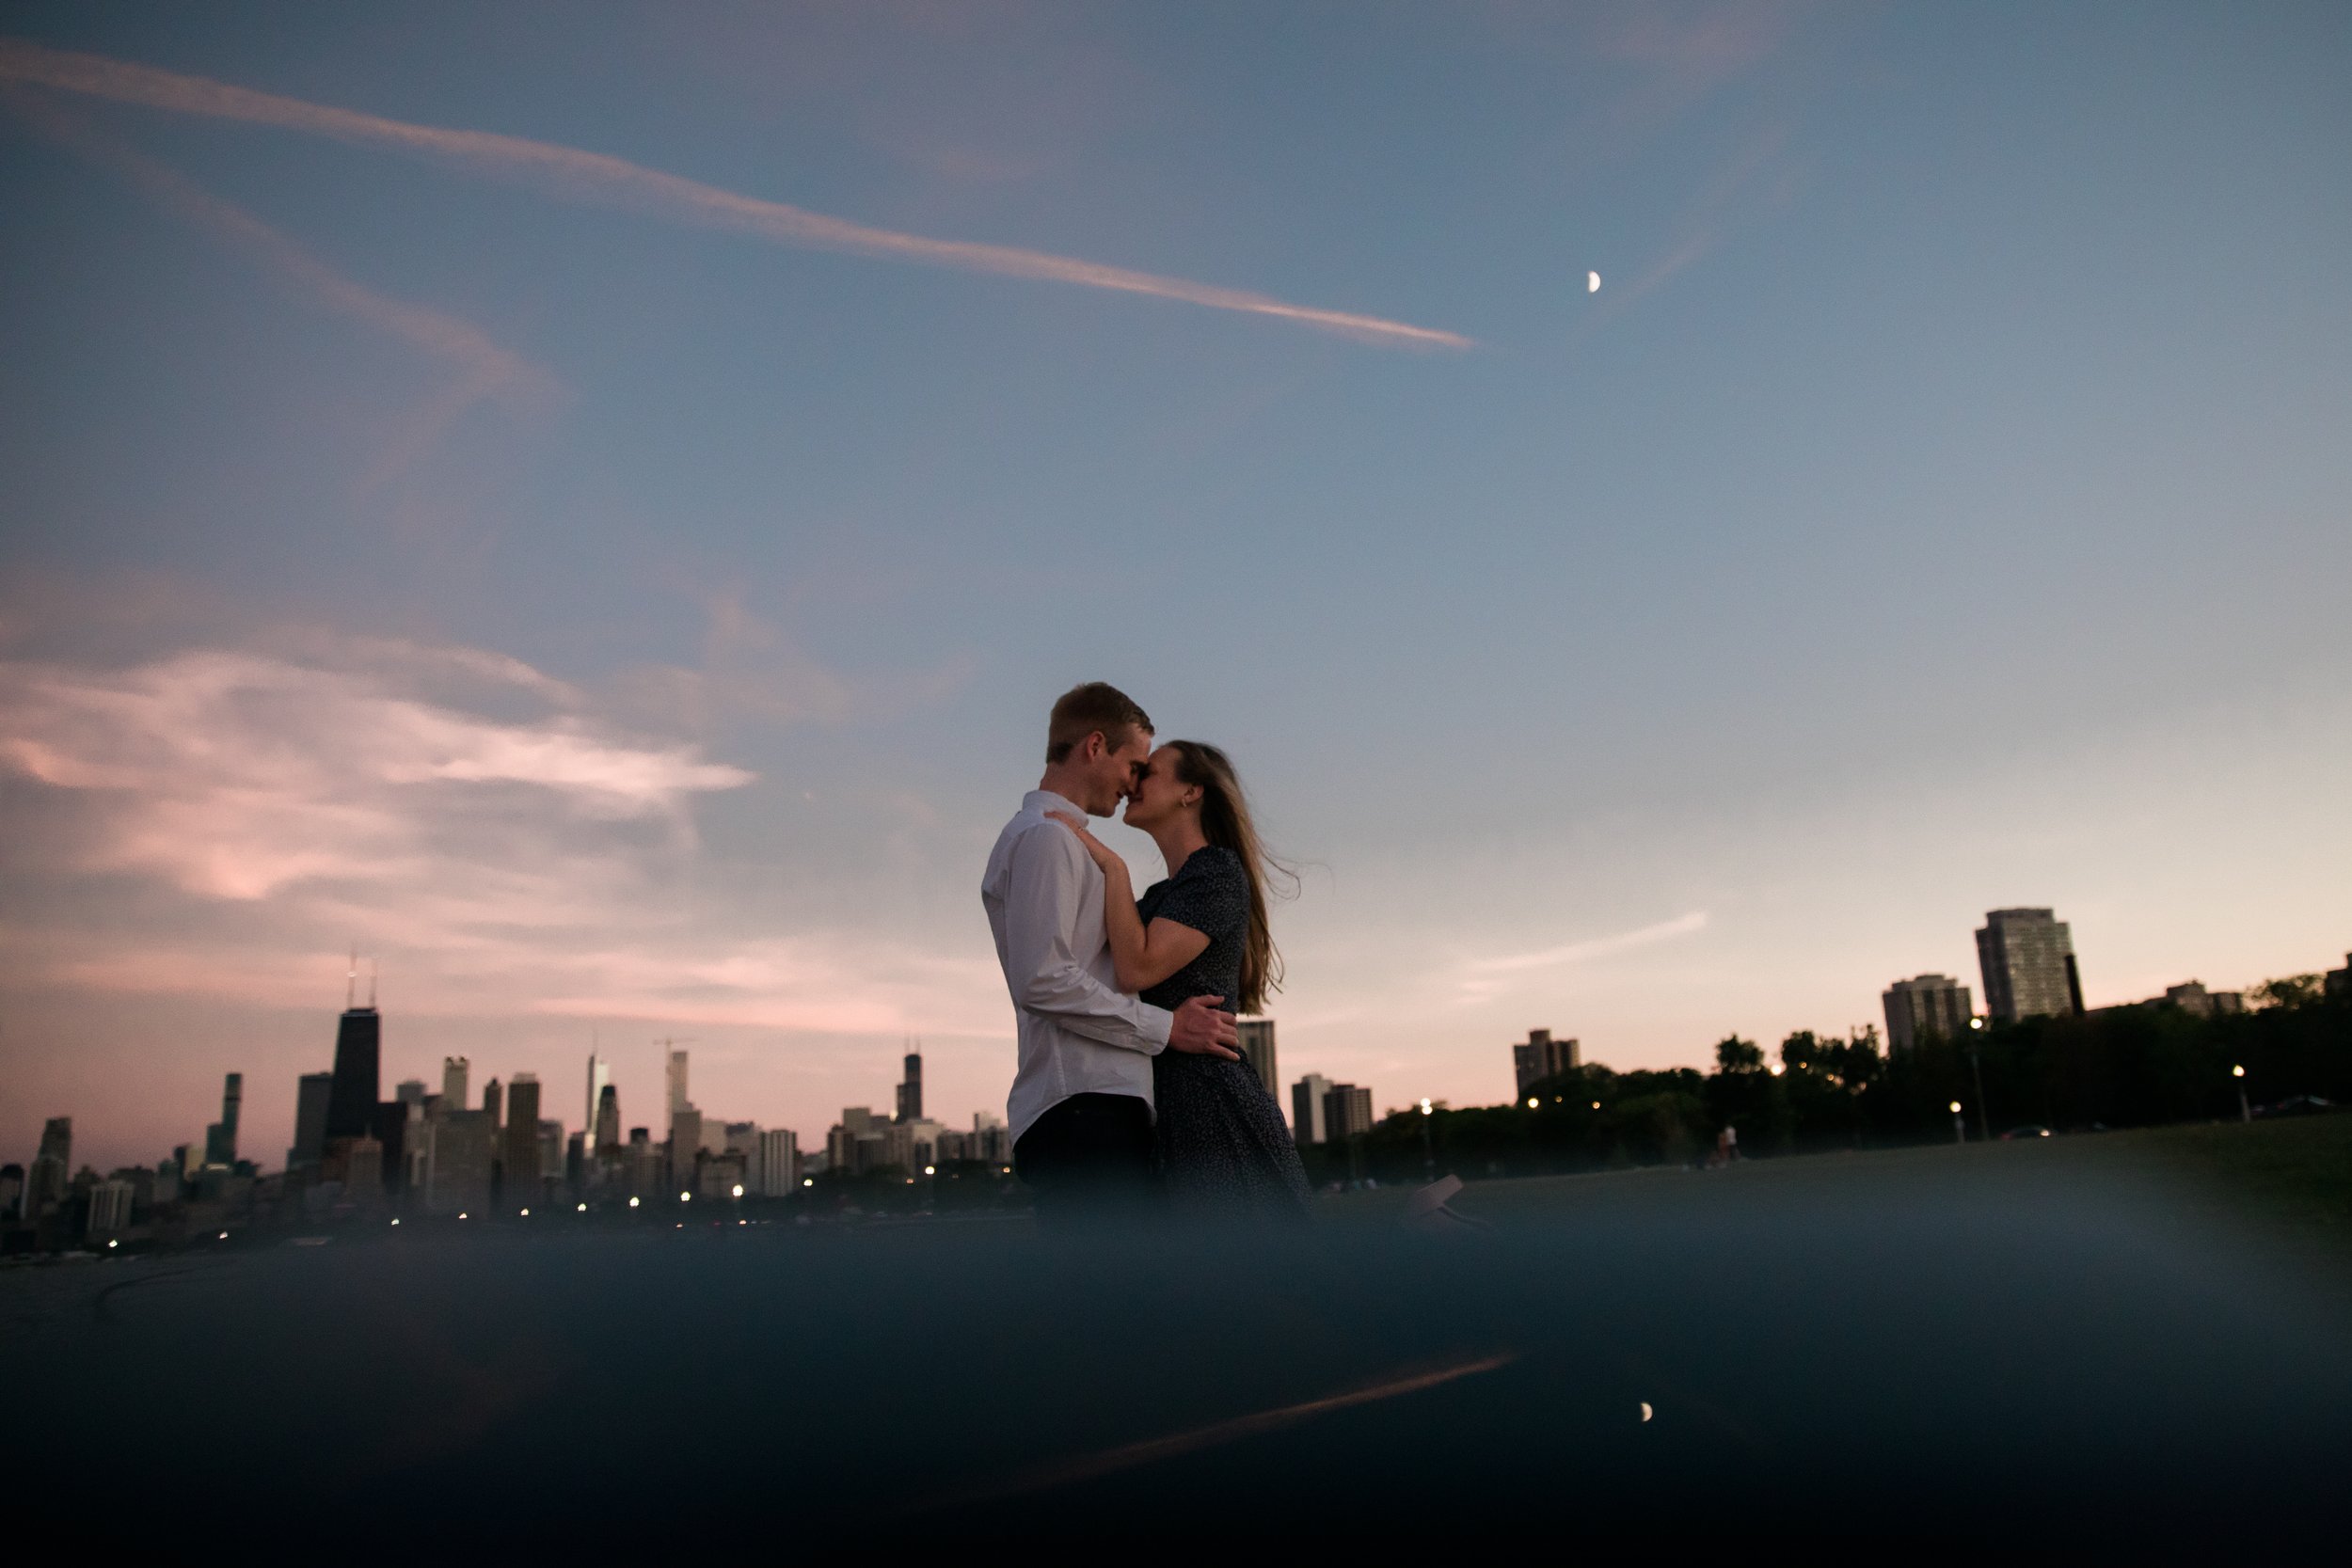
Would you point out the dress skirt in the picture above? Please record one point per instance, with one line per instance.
(1224, 1151)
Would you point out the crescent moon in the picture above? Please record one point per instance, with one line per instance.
(1592, 282)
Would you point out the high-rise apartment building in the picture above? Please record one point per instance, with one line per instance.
(456, 1073)
(311, 1093)
(110, 1206)
(778, 1168)
(599, 1080)
(685, 1145)
(459, 1150)
(1307, 1120)
(608, 1123)
(1539, 1056)
(522, 1153)
(2028, 958)
(220, 1138)
(351, 1104)
(1927, 1004)
(1346, 1112)
(1257, 1049)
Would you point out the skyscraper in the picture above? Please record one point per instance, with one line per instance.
(2027, 956)
(599, 1079)
(312, 1093)
(522, 1139)
(457, 1161)
(220, 1139)
(1931, 1004)
(52, 1167)
(1257, 1049)
(351, 1105)
(679, 1101)
(1540, 1056)
(779, 1166)
(911, 1089)
(1307, 1100)
(685, 1143)
(494, 1103)
(455, 1072)
(1346, 1112)
(607, 1123)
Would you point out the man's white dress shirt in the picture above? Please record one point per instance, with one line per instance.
(1079, 1033)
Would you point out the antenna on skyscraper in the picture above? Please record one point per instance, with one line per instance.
(371, 985)
(351, 980)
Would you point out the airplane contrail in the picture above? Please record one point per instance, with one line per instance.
(597, 179)
(490, 367)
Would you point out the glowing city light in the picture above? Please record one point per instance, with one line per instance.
(2237, 1072)
(114, 1243)
(1425, 1108)
(686, 1198)
(808, 1182)
(583, 1207)
(1533, 1102)
(395, 1222)
(633, 1203)
(461, 1215)
(930, 1170)
(1955, 1107)
(526, 1213)
(738, 1189)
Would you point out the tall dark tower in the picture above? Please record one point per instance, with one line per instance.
(522, 1138)
(351, 1104)
(607, 1131)
(220, 1139)
(911, 1089)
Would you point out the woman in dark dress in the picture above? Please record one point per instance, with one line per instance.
(1225, 1152)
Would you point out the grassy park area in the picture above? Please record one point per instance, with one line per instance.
(2291, 1178)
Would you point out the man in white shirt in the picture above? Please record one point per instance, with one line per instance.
(1081, 1100)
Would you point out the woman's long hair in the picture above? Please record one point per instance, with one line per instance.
(1225, 822)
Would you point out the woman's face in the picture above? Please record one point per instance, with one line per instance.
(1159, 794)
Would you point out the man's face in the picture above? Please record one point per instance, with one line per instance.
(1118, 774)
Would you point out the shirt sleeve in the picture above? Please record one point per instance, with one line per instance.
(1041, 959)
(1212, 900)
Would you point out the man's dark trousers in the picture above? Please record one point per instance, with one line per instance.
(1088, 1161)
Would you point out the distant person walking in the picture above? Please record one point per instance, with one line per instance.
(1081, 1103)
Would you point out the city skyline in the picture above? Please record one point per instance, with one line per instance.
(597, 517)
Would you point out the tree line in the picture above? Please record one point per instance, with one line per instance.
(2132, 1065)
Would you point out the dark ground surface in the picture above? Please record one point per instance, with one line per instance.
(2135, 1342)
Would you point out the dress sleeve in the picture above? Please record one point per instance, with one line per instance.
(1212, 897)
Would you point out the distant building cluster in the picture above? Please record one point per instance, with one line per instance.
(862, 1143)
(2025, 957)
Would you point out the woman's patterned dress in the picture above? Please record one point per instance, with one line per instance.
(1225, 1152)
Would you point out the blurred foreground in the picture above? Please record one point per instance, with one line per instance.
(2080, 1344)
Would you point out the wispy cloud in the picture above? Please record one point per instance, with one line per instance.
(211, 822)
(1483, 978)
(574, 174)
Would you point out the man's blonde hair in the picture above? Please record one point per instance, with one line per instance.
(1095, 708)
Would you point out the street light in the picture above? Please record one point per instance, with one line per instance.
(738, 1189)
(2245, 1112)
(1533, 1102)
(1976, 1065)
(633, 1203)
(1428, 1160)
(1960, 1127)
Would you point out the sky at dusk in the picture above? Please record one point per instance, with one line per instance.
(591, 505)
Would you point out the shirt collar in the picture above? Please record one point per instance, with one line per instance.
(1044, 800)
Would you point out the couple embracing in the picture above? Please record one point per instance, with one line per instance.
(1130, 1098)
